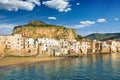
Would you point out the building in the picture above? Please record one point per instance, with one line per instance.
(2, 41)
(30, 46)
(21, 46)
(106, 47)
(13, 44)
(48, 46)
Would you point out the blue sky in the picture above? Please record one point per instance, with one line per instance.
(86, 16)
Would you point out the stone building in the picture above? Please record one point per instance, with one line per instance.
(106, 47)
(30, 46)
(13, 44)
(113, 46)
(21, 46)
(64, 46)
(48, 46)
(75, 47)
(2, 43)
(17, 45)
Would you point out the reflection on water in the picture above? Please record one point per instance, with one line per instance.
(92, 67)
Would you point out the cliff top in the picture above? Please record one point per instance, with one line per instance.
(36, 23)
(39, 29)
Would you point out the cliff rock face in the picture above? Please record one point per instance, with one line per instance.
(37, 29)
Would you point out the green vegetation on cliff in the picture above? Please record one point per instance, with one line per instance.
(39, 29)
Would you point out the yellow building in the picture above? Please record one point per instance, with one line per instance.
(11, 44)
(2, 46)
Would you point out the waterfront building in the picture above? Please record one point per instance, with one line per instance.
(84, 47)
(2, 41)
(13, 44)
(113, 46)
(64, 46)
(22, 46)
(48, 46)
(118, 46)
(106, 47)
(30, 46)
(75, 47)
(48, 42)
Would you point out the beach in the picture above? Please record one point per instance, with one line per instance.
(9, 61)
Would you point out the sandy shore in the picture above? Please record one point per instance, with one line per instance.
(8, 61)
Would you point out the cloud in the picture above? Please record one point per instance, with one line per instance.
(52, 18)
(77, 4)
(87, 22)
(101, 20)
(83, 24)
(116, 19)
(6, 28)
(14, 5)
(60, 5)
(7, 25)
(37, 2)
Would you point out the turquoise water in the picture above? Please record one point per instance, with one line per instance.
(92, 67)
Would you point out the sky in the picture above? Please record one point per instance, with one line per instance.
(86, 16)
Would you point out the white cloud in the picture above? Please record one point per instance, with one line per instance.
(6, 28)
(7, 25)
(83, 24)
(14, 5)
(116, 19)
(60, 5)
(101, 20)
(37, 2)
(52, 18)
(87, 22)
(77, 4)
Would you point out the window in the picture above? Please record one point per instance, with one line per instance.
(9, 46)
(65, 47)
(22, 45)
(29, 51)
(5, 46)
(65, 42)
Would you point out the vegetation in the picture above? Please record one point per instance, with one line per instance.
(39, 24)
(103, 37)
(79, 37)
(39, 29)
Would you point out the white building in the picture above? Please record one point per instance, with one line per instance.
(75, 46)
(48, 43)
(84, 47)
(31, 46)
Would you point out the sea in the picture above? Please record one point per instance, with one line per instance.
(87, 67)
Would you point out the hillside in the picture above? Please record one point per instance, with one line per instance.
(38, 29)
(102, 37)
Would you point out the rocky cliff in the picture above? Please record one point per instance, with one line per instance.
(38, 29)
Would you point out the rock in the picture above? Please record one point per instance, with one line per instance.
(37, 29)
